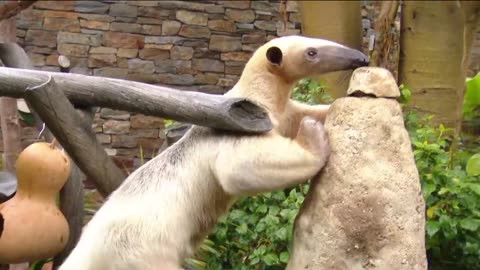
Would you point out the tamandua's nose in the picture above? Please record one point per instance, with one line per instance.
(338, 57)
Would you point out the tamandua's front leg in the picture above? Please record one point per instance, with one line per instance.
(272, 162)
(299, 110)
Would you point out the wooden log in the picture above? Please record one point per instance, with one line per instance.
(216, 111)
(14, 56)
(74, 135)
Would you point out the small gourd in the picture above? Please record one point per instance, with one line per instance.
(33, 226)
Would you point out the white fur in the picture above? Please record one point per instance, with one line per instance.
(164, 209)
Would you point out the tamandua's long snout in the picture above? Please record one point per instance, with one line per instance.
(336, 57)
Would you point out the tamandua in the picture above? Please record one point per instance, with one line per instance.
(164, 209)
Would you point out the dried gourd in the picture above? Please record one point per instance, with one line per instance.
(33, 226)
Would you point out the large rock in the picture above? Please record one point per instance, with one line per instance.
(73, 50)
(55, 5)
(126, 27)
(61, 24)
(172, 66)
(91, 7)
(101, 60)
(373, 81)
(152, 30)
(98, 25)
(181, 53)
(174, 79)
(189, 17)
(208, 65)
(222, 25)
(77, 38)
(154, 54)
(242, 16)
(122, 10)
(194, 31)
(116, 127)
(240, 4)
(170, 28)
(123, 40)
(266, 25)
(225, 43)
(141, 66)
(365, 209)
(146, 121)
(41, 38)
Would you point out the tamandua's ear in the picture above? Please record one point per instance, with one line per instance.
(274, 55)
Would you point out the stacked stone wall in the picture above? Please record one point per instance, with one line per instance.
(192, 45)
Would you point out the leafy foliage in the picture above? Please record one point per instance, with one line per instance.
(257, 232)
(311, 92)
(451, 189)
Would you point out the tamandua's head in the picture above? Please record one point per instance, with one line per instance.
(297, 57)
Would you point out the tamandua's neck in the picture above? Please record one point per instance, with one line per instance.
(266, 88)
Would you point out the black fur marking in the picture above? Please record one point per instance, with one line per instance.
(2, 222)
(274, 55)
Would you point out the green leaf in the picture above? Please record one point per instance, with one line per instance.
(473, 165)
(284, 256)
(281, 234)
(472, 94)
(474, 187)
(242, 228)
(432, 227)
(470, 224)
(254, 260)
(270, 259)
(405, 95)
(262, 209)
(237, 214)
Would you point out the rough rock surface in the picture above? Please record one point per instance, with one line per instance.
(374, 81)
(364, 209)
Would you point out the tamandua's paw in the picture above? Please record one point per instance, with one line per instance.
(313, 136)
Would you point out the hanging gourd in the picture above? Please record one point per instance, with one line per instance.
(33, 227)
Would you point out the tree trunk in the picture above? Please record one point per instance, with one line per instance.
(10, 124)
(339, 21)
(8, 109)
(386, 39)
(431, 52)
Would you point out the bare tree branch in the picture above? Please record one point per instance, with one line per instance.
(236, 114)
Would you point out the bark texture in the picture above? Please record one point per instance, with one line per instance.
(431, 52)
(8, 110)
(365, 209)
(235, 114)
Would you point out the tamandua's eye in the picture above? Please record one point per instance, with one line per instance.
(312, 53)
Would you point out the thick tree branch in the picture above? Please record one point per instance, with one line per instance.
(236, 114)
(75, 135)
(14, 56)
(72, 198)
(12, 8)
